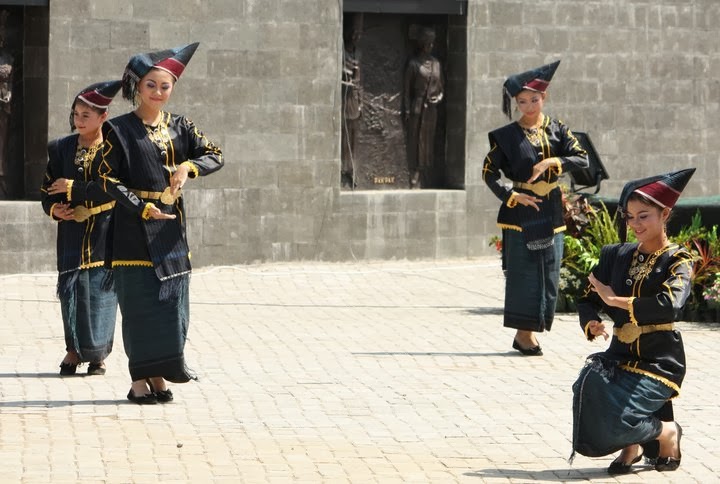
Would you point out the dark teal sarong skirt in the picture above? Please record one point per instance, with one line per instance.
(614, 408)
(531, 282)
(88, 313)
(154, 330)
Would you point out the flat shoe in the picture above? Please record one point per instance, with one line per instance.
(619, 467)
(67, 369)
(96, 369)
(664, 464)
(148, 399)
(162, 396)
(534, 351)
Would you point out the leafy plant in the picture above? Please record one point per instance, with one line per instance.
(496, 241)
(583, 244)
(711, 293)
(704, 245)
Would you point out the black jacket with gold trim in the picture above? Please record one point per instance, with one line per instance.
(133, 163)
(80, 245)
(513, 155)
(656, 298)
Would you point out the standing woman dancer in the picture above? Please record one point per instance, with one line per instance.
(532, 152)
(151, 154)
(83, 212)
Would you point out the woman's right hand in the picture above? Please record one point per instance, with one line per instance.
(597, 328)
(155, 213)
(528, 200)
(62, 211)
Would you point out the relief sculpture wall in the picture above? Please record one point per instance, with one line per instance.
(400, 132)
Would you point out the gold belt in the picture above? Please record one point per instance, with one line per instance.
(165, 196)
(540, 188)
(629, 332)
(81, 213)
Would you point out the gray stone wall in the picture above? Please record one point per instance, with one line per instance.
(640, 76)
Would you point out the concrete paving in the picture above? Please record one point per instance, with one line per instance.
(369, 372)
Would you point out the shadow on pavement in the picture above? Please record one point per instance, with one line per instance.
(485, 311)
(433, 353)
(557, 475)
(60, 403)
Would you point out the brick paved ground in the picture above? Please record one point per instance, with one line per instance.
(372, 372)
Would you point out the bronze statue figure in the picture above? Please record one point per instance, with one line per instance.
(351, 97)
(422, 91)
(6, 75)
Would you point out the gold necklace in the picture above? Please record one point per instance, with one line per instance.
(642, 265)
(533, 132)
(533, 135)
(85, 156)
(159, 135)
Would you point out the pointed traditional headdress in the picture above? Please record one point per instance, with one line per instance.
(663, 190)
(173, 61)
(537, 79)
(98, 95)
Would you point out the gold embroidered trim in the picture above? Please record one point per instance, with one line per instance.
(517, 228)
(631, 310)
(659, 378)
(510, 227)
(92, 265)
(132, 263)
(69, 190)
(557, 169)
(52, 217)
(193, 169)
(512, 200)
(145, 215)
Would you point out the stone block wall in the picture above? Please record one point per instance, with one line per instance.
(640, 76)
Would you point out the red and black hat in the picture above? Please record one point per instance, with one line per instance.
(662, 190)
(173, 61)
(98, 95)
(537, 79)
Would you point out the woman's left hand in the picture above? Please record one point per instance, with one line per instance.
(178, 179)
(604, 291)
(58, 186)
